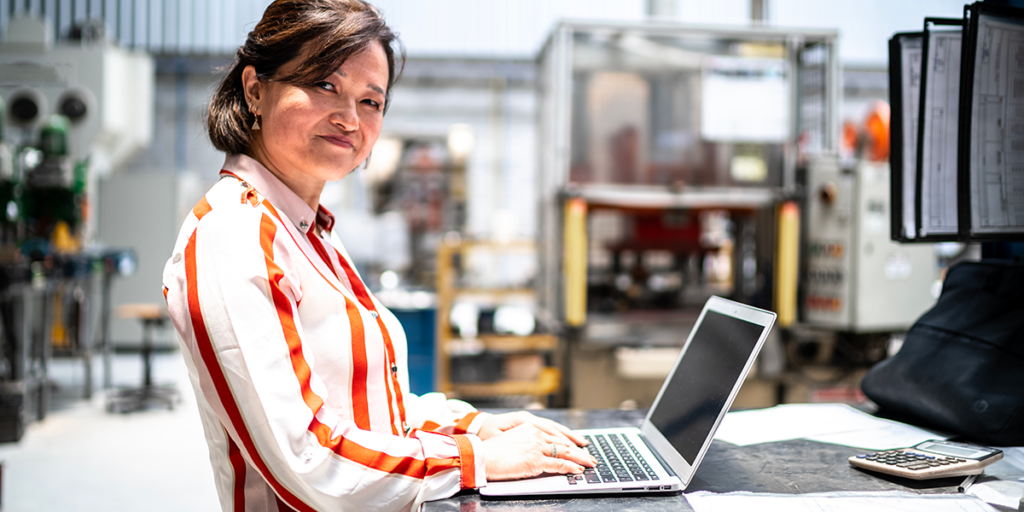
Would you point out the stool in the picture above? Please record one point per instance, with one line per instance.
(128, 399)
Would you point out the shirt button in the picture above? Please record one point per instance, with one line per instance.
(374, 314)
(394, 368)
(244, 184)
(303, 225)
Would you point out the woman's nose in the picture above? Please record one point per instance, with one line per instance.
(344, 116)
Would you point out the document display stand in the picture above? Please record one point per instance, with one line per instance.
(992, 143)
(905, 95)
(957, 92)
(936, 210)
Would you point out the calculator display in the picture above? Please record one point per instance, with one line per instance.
(951, 451)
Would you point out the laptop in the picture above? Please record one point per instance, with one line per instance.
(662, 455)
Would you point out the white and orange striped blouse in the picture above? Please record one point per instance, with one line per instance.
(300, 374)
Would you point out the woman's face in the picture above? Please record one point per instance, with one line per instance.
(321, 132)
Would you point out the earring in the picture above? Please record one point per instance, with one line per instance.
(255, 124)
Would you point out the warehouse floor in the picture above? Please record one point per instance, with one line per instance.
(82, 458)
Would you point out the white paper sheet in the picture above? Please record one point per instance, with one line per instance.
(998, 492)
(836, 502)
(827, 423)
(997, 129)
(939, 133)
(1014, 455)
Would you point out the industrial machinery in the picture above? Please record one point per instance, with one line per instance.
(857, 279)
(668, 170)
(75, 111)
(859, 290)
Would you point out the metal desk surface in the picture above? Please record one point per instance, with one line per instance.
(788, 467)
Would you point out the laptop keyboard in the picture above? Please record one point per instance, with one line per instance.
(617, 461)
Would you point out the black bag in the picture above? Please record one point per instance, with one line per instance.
(961, 368)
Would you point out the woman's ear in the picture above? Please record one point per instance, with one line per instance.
(252, 86)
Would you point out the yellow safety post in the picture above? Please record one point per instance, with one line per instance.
(58, 334)
(787, 250)
(574, 262)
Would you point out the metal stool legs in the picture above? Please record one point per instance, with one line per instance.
(135, 399)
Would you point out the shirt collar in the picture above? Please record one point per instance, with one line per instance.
(283, 198)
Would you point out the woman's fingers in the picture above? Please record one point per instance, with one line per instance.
(557, 429)
(560, 466)
(559, 448)
(570, 453)
(526, 450)
(498, 423)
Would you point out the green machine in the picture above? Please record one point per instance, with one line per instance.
(42, 193)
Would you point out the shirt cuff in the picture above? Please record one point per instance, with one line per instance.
(471, 423)
(471, 461)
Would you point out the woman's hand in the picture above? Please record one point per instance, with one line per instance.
(525, 450)
(498, 423)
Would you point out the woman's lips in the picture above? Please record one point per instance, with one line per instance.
(338, 140)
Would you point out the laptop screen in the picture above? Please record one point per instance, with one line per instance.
(703, 380)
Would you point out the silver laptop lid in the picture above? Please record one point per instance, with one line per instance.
(708, 374)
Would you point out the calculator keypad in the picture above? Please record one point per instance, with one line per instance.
(910, 460)
(909, 463)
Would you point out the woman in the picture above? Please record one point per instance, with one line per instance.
(299, 372)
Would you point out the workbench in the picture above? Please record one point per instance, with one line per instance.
(788, 467)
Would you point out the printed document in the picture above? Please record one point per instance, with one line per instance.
(940, 112)
(826, 423)
(703, 501)
(997, 128)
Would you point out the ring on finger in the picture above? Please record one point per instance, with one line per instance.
(554, 451)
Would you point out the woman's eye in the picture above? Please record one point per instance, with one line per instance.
(327, 86)
(372, 103)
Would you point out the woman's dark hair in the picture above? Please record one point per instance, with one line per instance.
(329, 31)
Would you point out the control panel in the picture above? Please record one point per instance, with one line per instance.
(856, 279)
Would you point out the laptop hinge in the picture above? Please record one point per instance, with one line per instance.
(658, 456)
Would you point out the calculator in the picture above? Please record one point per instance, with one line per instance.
(930, 459)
